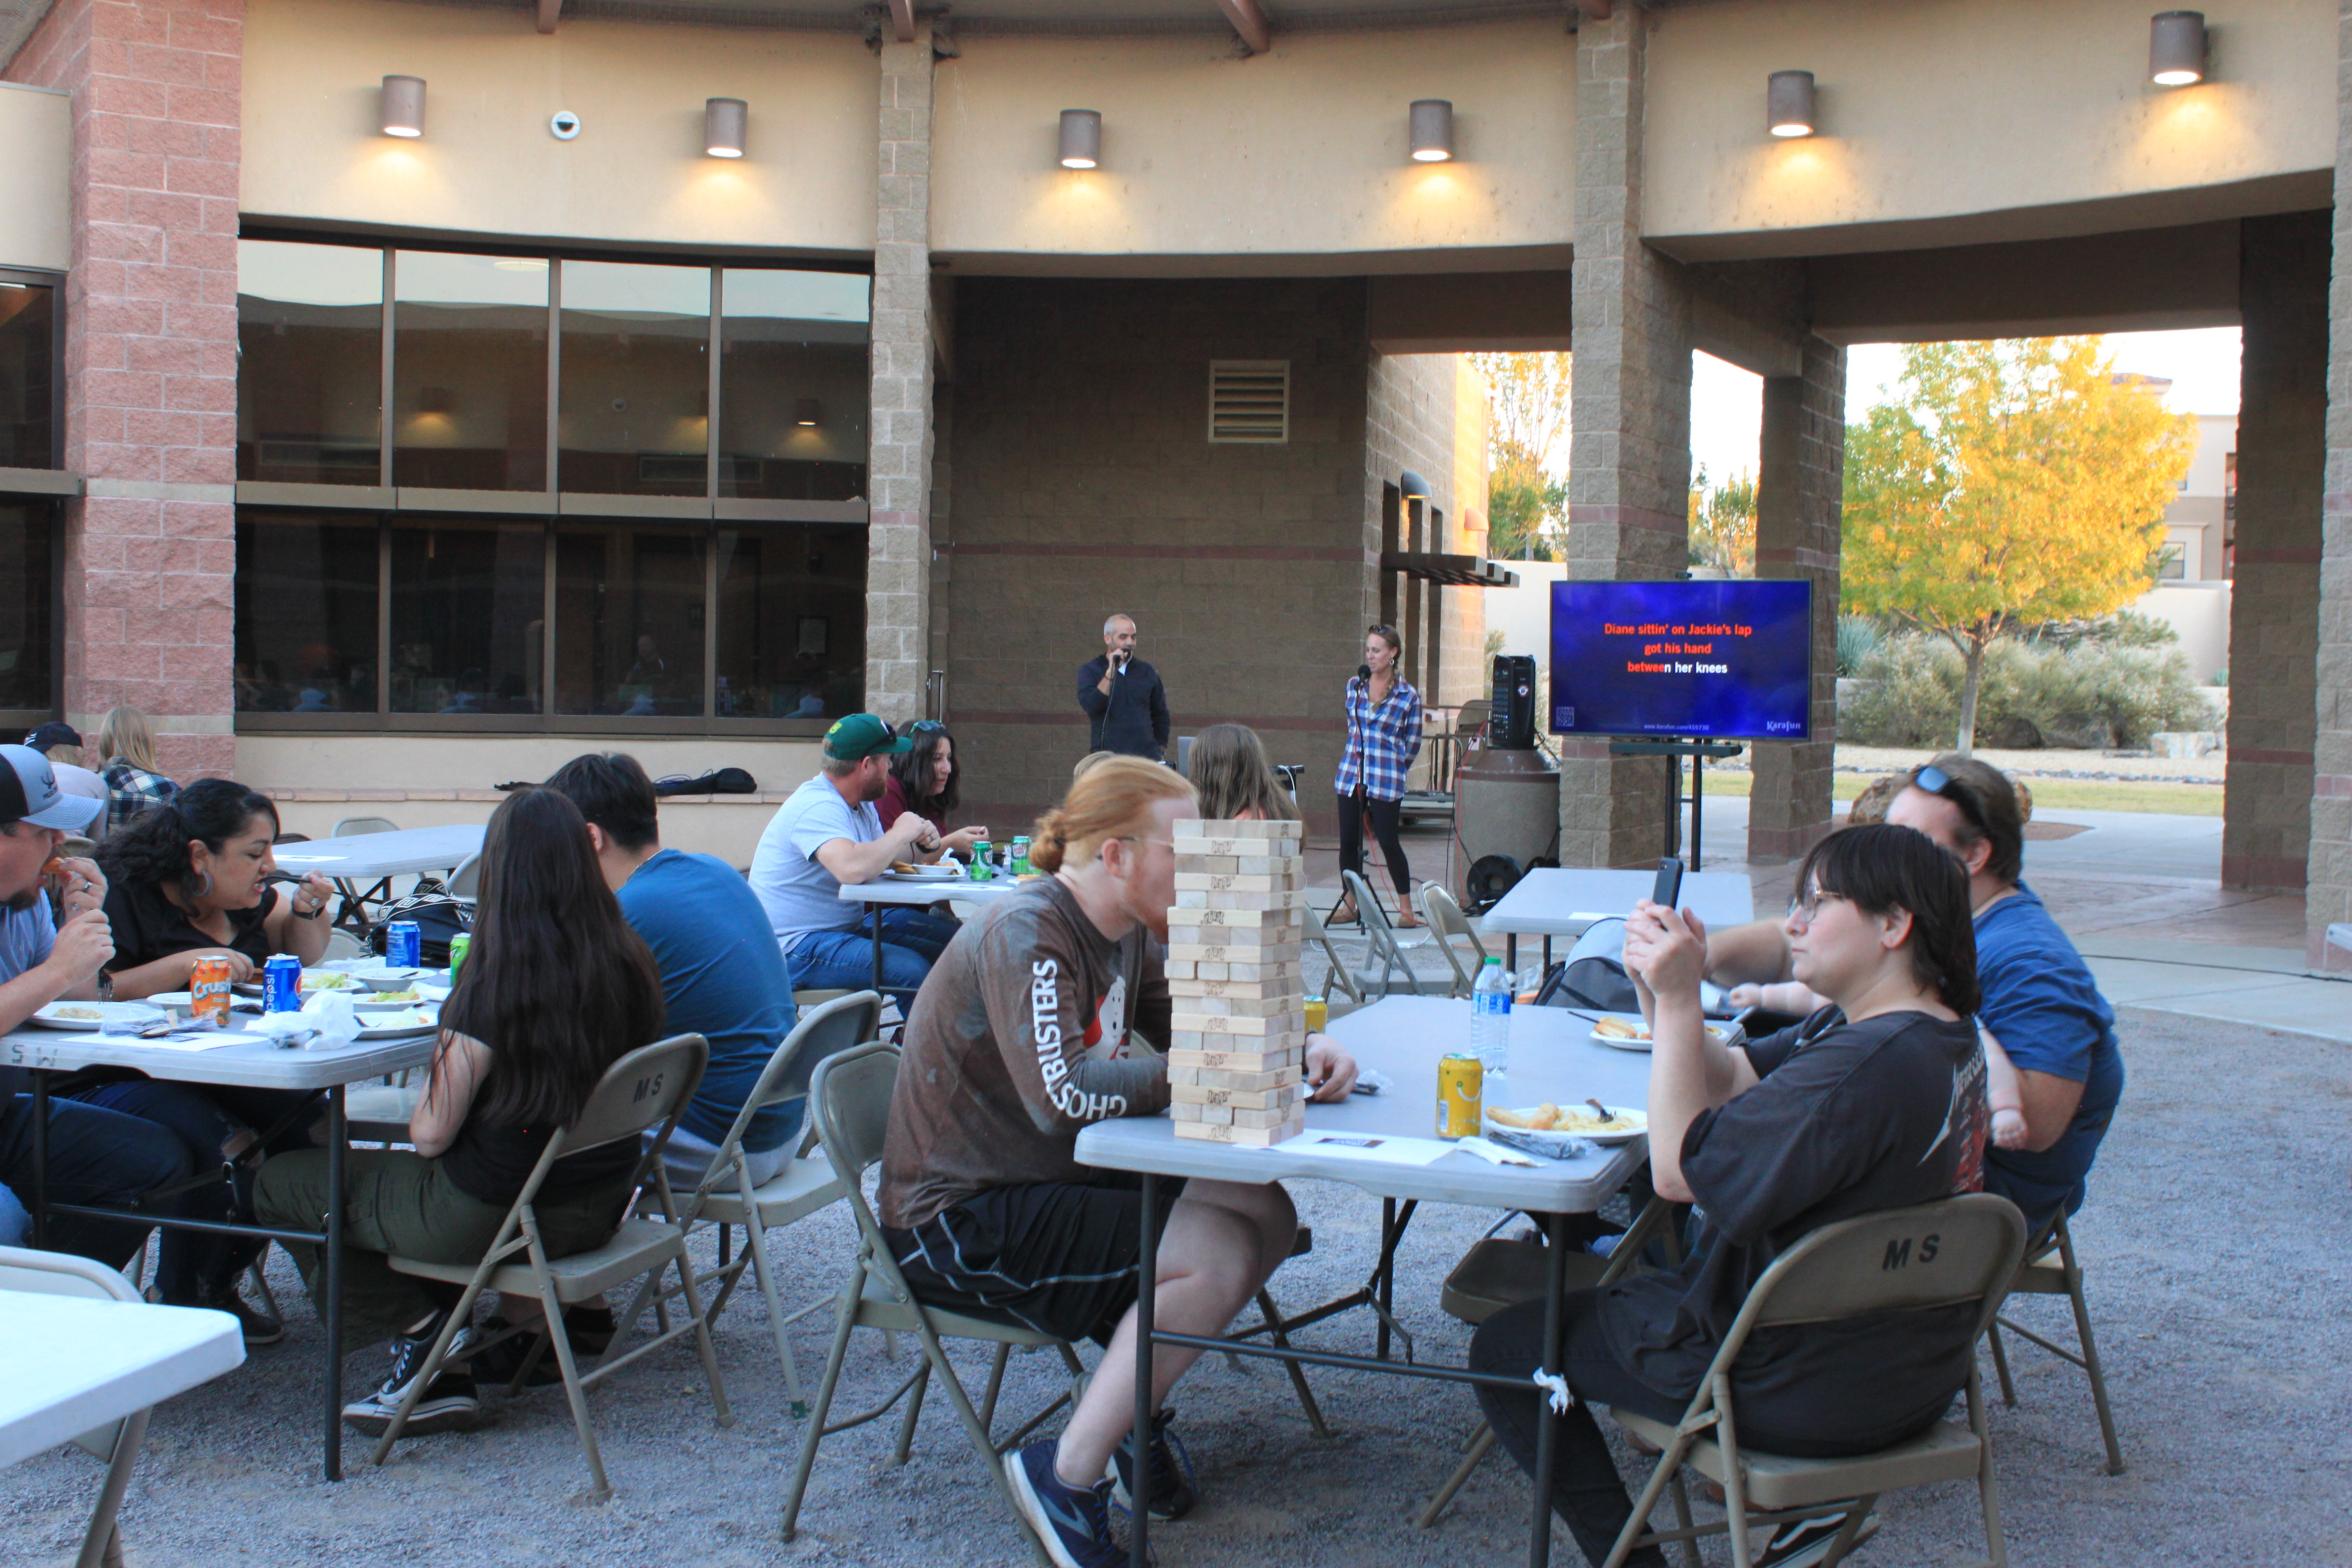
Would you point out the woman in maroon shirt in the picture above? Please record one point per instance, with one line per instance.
(924, 781)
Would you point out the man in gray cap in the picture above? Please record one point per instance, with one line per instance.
(96, 1156)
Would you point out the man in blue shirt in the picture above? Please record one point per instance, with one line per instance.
(722, 974)
(2056, 1074)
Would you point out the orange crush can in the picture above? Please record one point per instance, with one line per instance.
(208, 991)
(1460, 1096)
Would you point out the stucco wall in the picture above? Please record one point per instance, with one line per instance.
(488, 161)
(36, 129)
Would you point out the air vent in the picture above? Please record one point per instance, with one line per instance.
(1249, 400)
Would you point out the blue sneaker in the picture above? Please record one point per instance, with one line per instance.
(1173, 1488)
(1073, 1522)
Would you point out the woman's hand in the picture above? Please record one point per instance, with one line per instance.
(240, 968)
(1666, 949)
(1331, 1070)
(963, 838)
(311, 895)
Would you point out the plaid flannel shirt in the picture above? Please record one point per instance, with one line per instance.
(1384, 738)
(132, 790)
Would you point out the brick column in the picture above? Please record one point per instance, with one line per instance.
(898, 541)
(1629, 479)
(2282, 416)
(151, 362)
(2329, 896)
(1799, 493)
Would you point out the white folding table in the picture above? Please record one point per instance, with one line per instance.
(371, 857)
(77, 1364)
(50, 1053)
(1402, 1037)
(918, 893)
(1550, 902)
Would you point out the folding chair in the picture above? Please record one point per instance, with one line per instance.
(1342, 976)
(1954, 1252)
(1388, 950)
(117, 1442)
(2050, 1269)
(726, 1196)
(1448, 922)
(644, 1089)
(850, 1098)
(354, 901)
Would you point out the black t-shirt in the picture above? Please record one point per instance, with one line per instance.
(1849, 1119)
(492, 1163)
(149, 926)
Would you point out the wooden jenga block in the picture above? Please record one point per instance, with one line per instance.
(1260, 919)
(1285, 1058)
(1281, 986)
(1235, 945)
(1235, 857)
(1245, 1006)
(1188, 882)
(1289, 1022)
(1222, 898)
(1264, 971)
(1274, 1098)
(1223, 1078)
(1223, 827)
(1253, 1137)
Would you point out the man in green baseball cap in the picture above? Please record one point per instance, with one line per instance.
(828, 835)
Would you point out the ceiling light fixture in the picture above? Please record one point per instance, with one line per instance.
(1081, 138)
(2176, 48)
(1789, 103)
(1431, 121)
(723, 121)
(807, 412)
(404, 106)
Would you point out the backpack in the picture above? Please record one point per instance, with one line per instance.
(723, 781)
(1592, 976)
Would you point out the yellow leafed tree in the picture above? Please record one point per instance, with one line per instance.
(2008, 485)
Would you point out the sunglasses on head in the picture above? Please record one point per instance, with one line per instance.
(924, 726)
(1937, 781)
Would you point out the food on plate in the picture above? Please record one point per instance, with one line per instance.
(904, 865)
(1548, 1117)
(1619, 1029)
(329, 980)
(410, 1019)
(406, 993)
(95, 1014)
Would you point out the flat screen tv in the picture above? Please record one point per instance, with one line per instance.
(1729, 660)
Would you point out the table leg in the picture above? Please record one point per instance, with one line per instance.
(1511, 952)
(40, 1203)
(1546, 955)
(1147, 1285)
(337, 1145)
(1387, 1287)
(1547, 1422)
(876, 910)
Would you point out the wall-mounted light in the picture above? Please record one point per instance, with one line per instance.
(434, 400)
(404, 106)
(807, 412)
(1431, 122)
(2176, 48)
(1411, 486)
(723, 119)
(1081, 138)
(1789, 103)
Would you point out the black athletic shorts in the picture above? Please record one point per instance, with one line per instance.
(1055, 1257)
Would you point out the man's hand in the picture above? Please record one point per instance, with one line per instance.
(1110, 668)
(1331, 1070)
(82, 884)
(1666, 949)
(963, 838)
(85, 943)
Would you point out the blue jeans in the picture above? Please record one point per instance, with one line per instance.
(912, 942)
(97, 1157)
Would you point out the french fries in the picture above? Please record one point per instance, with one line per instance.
(1549, 1117)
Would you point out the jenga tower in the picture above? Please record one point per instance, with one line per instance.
(1237, 1047)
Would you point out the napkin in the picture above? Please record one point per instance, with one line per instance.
(1493, 1153)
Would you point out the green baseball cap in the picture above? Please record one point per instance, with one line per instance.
(863, 735)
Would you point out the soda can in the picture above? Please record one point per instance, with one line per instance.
(1021, 855)
(208, 992)
(459, 945)
(1460, 1096)
(281, 984)
(1318, 1014)
(982, 870)
(404, 945)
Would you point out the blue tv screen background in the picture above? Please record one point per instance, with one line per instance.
(1730, 659)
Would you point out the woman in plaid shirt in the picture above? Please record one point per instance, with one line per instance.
(1383, 737)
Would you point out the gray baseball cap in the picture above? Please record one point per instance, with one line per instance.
(29, 793)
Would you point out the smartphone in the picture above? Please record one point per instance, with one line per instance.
(1670, 882)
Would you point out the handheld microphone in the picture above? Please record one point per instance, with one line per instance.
(1363, 672)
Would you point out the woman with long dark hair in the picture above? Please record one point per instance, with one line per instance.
(1384, 738)
(927, 781)
(556, 988)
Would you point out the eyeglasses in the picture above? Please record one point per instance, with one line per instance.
(1937, 781)
(1805, 906)
(925, 727)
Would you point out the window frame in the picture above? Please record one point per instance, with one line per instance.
(55, 282)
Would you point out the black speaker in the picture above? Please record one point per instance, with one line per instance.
(1511, 723)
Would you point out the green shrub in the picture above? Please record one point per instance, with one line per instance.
(2092, 695)
(1858, 637)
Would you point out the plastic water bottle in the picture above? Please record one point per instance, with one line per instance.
(1490, 1019)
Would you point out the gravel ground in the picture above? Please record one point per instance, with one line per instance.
(2210, 1300)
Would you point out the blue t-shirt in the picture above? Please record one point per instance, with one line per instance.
(791, 883)
(2041, 1004)
(27, 936)
(723, 978)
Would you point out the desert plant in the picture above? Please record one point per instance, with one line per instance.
(2094, 695)
(1858, 637)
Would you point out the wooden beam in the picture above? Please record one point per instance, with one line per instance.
(548, 12)
(902, 20)
(1249, 22)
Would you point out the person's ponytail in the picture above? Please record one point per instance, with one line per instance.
(1048, 842)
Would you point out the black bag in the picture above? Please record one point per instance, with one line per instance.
(724, 781)
(1594, 985)
(437, 920)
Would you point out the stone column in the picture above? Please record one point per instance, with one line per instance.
(898, 537)
(1799, 493)
(2283, 270)
(151, 362)
(1629, 480)
(2328, 895)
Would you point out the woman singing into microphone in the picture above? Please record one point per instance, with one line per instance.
(1383, 737)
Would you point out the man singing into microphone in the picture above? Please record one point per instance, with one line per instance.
(1127, 708)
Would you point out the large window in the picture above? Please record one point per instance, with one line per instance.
(306, 613)
(309, 382)
(469, 616)
(791, 622)
(470, 351)
(636, 379)
(28, 365)
(630, 609)
(28, 627)
(792, 385)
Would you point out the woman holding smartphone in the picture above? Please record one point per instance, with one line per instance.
(1384, 738)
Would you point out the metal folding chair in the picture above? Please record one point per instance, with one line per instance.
(850, 1098)
(1446, 921)
(644, 1089)
(2050, 1269)
(1954, 1252)
(1388, 950)
(1341, 975)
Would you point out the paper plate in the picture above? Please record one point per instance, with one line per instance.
(96, 1015)
(1566, 1135)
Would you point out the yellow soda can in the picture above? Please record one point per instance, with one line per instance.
(1460, 1096)
(1318, 1014)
